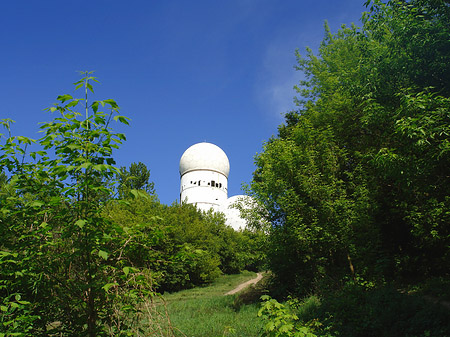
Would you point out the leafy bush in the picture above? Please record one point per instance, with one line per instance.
(181, 245)
(282, 321)
(61, 266)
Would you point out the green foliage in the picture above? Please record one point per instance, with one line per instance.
(356, 183)
(319, 214)
(135, 178)
(356, 311)
(182, 246)
(281, 321)
(60, 258)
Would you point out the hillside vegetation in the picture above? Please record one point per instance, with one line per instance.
(84, 244)
(355, 186)
(352, 191)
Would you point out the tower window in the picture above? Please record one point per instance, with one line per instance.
(199, 182)
(213, 183)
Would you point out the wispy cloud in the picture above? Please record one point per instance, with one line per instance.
(275, 93)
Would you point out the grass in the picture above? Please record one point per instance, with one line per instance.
(206, 311)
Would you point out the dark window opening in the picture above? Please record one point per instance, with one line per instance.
(199, 182)
(213, 183)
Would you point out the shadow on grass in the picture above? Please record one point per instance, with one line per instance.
(356, 311)
(383, 312)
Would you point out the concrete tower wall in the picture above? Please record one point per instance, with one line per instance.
(204, 188)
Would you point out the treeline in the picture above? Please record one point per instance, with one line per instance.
(182, 246)
(356, 183)
(85, 246)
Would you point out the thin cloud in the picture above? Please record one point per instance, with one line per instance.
(275, 87)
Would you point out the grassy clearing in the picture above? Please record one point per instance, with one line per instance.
(207, 312)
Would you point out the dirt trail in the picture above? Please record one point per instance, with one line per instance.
(245, 284)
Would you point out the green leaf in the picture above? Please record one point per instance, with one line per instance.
(112, 103)
(80, 223)
(25, 140)
(73, 103)
(84, 166)
(100, 167)
(108, 286)
(134, 193)
(36, 203)
(89, 86)
(103, 254)
(64, 98)
(122, 119)
(126, 270)
(94, 106)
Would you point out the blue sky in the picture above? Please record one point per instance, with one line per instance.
(183, 71)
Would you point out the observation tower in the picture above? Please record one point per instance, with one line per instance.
(204, 169)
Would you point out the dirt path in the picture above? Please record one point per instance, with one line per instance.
(245, 284)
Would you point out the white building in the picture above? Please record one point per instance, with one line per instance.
(204, 169)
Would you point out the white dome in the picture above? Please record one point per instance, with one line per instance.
(204, 156)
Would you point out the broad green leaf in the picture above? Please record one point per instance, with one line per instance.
(80, 223)
(134, 193)
(89, 86)
(36, 203)
(94, 106)
(103, 254)
(72, 104)
(108, 286)
(25, 140)
(112, 103)
(122, 119)
(64, 98)
(84, 165)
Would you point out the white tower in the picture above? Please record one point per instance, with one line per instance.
(204, 169)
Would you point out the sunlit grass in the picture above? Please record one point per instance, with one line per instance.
(208, 312)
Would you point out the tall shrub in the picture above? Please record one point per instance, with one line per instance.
(60, 258)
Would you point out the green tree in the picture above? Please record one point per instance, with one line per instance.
(357, 176)
(135, 178)
(60, 258)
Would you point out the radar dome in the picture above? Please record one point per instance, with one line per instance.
(204, 156)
